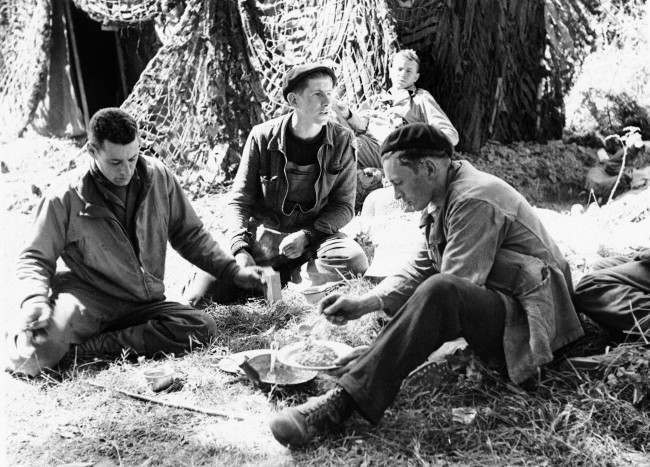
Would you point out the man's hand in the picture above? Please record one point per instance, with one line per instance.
(346, 361)
(35, 314)
(249, 278)
(244, 258)
(294, 244)
(339, 309)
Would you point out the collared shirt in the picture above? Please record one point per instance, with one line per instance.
(121, 200)
(397, 107)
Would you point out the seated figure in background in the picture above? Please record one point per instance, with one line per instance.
(616, 294)
(111, 229)
(403, 103)
(294, 189)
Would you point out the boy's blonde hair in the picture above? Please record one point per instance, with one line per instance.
(408, 54)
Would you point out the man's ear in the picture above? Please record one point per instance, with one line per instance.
(429, 165)
(92, 150)
(291, 99)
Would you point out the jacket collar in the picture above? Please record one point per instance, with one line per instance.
(278, 139)
(428, 217)
(92, 198)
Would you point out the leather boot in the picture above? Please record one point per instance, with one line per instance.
(296, 426)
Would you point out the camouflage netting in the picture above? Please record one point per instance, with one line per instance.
(220, 68)
(358, 36)
(25, 33)
(194, 94)
(120, 12)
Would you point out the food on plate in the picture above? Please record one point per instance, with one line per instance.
(315, 354)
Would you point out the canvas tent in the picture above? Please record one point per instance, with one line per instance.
(80, 65)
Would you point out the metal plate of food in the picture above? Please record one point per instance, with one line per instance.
(317, 355)
(230, 363)
(281, 374)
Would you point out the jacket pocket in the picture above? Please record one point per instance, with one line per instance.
(334, 169)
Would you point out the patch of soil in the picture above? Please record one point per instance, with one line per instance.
(549, 175)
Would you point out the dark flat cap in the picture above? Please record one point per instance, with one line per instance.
(299, 72)
(419, 136)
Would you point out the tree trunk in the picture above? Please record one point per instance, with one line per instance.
(482, 61)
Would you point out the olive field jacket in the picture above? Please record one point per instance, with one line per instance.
(76, 225)
(487, 233)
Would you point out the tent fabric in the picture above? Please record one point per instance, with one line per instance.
(25, 34)
(58, 113)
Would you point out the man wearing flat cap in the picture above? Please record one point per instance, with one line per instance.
(487, 271)
(295, 189)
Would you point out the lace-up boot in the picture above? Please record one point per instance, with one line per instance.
(296, 426)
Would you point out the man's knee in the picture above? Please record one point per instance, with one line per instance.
(441, 286)
(196, 322)
(209, 326)
(343, 254)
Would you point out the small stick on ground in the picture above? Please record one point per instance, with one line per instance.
(140, 397)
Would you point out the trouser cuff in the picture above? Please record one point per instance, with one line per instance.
(362, 400)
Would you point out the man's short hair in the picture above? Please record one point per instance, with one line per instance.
(408, 54)
(112, 124)
(413, 142)
(298, 76)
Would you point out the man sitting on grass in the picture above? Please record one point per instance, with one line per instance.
(488, 271)
(403, 103)
(111, 229)
(294, 190)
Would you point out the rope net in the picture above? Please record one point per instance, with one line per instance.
(193, 98)
(25, 33)
(221, 65)
(120, 12)
(357, 36)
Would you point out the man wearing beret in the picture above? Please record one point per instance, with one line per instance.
(295, 189)
(487, 271)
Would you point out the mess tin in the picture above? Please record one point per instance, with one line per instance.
(159, 378)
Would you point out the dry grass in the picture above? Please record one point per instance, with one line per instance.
(566, 417)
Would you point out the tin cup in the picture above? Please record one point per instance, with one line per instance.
(159, 378)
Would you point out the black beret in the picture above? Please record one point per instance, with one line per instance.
(418, 136)
(298, 73)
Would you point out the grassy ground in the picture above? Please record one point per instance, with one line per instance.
(459, 414)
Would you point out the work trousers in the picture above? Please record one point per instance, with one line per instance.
(617, 294)
(337, 256)
(444, 307)
(82, 313)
